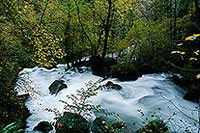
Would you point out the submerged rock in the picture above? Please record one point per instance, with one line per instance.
(57, 86)
(43, 126)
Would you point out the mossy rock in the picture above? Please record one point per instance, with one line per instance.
(72, 123)
(111, 85)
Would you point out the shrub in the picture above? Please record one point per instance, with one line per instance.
(155, 126)
(72, 123)
(14, 127)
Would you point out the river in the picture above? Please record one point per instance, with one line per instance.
(152, 95)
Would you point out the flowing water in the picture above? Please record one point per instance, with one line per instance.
(150, 96)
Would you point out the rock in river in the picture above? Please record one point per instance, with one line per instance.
(43, 126)
(57, 86)
(110, 84)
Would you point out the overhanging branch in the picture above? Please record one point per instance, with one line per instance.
(185, 69)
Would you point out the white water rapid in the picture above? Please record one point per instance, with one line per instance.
(153, 92)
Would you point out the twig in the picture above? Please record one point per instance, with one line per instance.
(184, 69)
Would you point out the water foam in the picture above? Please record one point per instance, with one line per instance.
(149, 93)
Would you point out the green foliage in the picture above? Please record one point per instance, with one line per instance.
(45, 32)
(152, 124)
(116, 126)
(187, 64)
(150, 45)
(150, 38)
(99, 125)
(31, 31)
(9, 102)
(14, 127)
(73, 123)
(157, 126)
(18, 21)
(189, 53)
(125, 68)
(81, 103)
(72, 120)
(11, 60)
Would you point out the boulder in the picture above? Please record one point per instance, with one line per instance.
(102, 67)
(97, 65)
(128, 77)
(191, 85)
(72, 123)
(145, 69)
(111, 85)
(57, 86)
(82, 63)
(43, 126)
(193, 95)
(125, 72)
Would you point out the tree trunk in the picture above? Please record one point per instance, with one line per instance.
(107, 29)
(82, 27)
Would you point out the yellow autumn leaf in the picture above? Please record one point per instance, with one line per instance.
(173, 52)
(58, 124)
(191, 38)
(198, 76)
(193, 58)
(196, 35)
(106, 127)
(196, 53)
